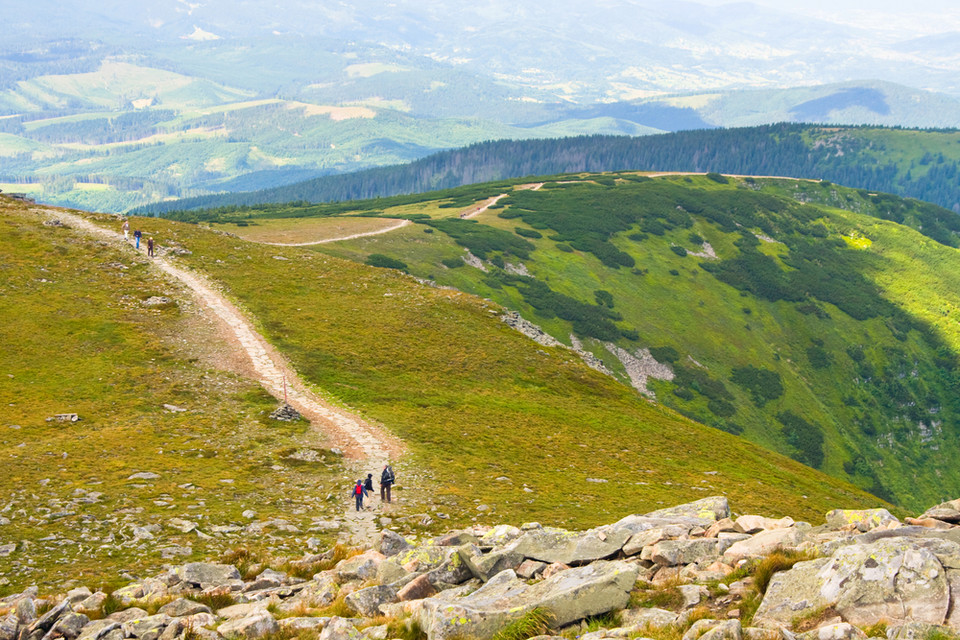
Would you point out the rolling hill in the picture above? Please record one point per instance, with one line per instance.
(912, 163)
(174, 443)
(816, 320)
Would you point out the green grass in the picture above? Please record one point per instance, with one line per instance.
(77, 339)
(533, 623)
(780, 356)
(474, 400)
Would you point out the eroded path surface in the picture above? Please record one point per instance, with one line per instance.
(394, 227)
(366, 447)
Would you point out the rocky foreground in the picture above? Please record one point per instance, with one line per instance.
(715, 578)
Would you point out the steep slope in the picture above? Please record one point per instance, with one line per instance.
(798, 314)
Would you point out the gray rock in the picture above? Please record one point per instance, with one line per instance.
(860, 519)
(94, 602)
(339, 629)
(648, 618)
(140, 627)
(893, 579)
(7, 549)
(113, 634)
(453, 571)
(835, 631)
(46, 621)
(763, 543)
(144, 475)
(699, 628)
(692, 595)
(301, 624)
(78, 595)
(183, 607)
(367, 601)
(557, 545)
(255, 626)
(946, 512)
(486, 565)
(726, 630)
(567, 596)
(499, 536)
(156, 301)
(26, 611)
(69, 626)
(913, 631)
(709, 509)
(126, 615)
(390, 543)
(244, 610)
(670, 553)
(417, 589)
(362, 567)
(204, 575)
(8, 627)
(529, 569)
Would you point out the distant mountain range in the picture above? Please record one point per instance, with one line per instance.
(119, 105)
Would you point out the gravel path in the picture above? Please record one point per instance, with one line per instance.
(399, 225)
(366, 447)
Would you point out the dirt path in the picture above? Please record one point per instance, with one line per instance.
(366, 447)
(475, 210)
(399, 225)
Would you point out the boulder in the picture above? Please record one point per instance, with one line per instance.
(390, 543)
(46, 621)
(915, 631)
(453, 571)
(25, 610)
(254, 626)
(92, 603)
(641, 619)
(529, 569)
(834, 631)
(708, 509)
(361, 567)
(301, 624)
(763, 543)
(8, 627)
(557, 545)
(70, 625)
(417, 589)
(183, 607)
(456, 539)
(567, 596)
(486, 565)
(726, 630)
(205, 574)
(245, 609)
(367, 601)
(893, 579)
(670, 553)
(126, 615)
(725, 525)
(755, 524)
(339, 629)
(139, 627)
(699, 628)
(948, 512)
(862, 520)
(499, 536)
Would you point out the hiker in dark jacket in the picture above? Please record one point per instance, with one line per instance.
(368, 484)
(358, 493)
(387, 479)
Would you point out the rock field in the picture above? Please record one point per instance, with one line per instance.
(861, 572)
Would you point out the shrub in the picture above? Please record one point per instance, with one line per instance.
(674, 272)
(696, 239)
(680, 251)
(385, 262)
(719, 178)
(630, 334)
(762, 384)
(664, 354)
(452, 263)
(604, 298)
(818, 357)
(565, 248)
(528, 233)
(806, 438)
(721, 408)
(428, 230)
(683, 393)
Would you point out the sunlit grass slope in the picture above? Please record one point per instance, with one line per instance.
(490, 417)
(822, 325)
(77, 338)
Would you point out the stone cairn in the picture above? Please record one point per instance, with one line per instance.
(862, 568)
(286, 413)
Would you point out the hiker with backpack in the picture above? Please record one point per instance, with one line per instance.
(368, 485)
(358, 493)
(387, 479)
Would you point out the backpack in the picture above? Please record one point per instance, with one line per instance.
(357, 490)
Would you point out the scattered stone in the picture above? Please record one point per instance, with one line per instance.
(182, 607)
(172, 408)
(204, 575)
(144, 475)
(249, 628)
(64, 417)
(156, 301)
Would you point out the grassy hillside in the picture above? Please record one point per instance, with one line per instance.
(79, 339)
(916, 163)
(490, 417)
(811, 322)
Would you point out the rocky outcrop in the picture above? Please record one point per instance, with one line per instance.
(864, 566)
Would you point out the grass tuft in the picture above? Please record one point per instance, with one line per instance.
(535, 622)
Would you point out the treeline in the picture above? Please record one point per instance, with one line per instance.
(795, 150)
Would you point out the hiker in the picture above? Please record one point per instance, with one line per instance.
(386, 481)
(137, 234)
(150, 247)
(368, 484)
(126, 229)
(358, 493)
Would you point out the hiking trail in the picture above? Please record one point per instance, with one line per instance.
(366, 447)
